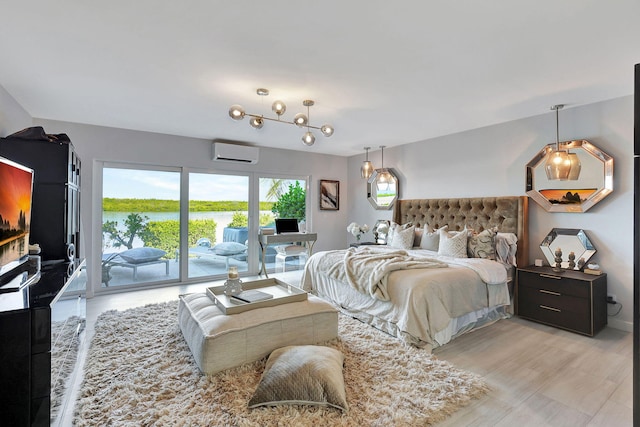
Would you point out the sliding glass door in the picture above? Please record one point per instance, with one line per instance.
(140, 225)
(167, 224)
(218, 224)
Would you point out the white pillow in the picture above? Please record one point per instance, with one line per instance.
(393, 229)
(403, 239)
(430, 239)
(453, 244)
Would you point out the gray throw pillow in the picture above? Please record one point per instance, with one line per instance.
(302, 375)
(228, 248)
(140, 255)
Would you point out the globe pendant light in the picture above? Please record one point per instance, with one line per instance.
(558, 164)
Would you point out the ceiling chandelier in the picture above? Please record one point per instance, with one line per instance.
(236, 112)
(561, 164)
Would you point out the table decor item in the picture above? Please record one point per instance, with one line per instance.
(357, 230)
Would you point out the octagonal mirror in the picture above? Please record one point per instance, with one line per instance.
(593, 183)
(569, 241)
(383, 189)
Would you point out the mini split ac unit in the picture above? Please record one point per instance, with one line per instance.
(235, 153)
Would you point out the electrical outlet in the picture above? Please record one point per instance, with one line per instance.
(611, 299)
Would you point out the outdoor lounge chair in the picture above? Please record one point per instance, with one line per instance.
(134, 259)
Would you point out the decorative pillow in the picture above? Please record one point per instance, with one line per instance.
(302, 375)
(393, 229)
(453, 243)
(228, 248)
(430, 239)
(403, 238)
(482, 245)
(506, 248)
(140, 255)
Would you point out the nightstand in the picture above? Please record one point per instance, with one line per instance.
(569, 299)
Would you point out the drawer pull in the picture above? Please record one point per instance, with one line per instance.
(544, 291)
(549, 276)
(550, 308)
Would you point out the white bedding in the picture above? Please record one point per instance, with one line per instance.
(425, 307)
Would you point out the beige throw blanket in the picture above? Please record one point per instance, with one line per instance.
(367, 269)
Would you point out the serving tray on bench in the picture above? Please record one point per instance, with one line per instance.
(282, 292)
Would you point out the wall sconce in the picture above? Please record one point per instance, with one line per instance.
(236, 112)
(367, 167)
(561, 164)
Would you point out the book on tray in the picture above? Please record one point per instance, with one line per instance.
(252, 296)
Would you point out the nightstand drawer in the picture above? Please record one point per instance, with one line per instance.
(558, 317)
(554, 301)
(554, 283)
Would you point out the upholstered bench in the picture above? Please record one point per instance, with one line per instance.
(220, 341)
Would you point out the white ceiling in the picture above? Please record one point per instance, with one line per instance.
(382, 72)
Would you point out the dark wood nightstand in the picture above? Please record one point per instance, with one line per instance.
(570, 300)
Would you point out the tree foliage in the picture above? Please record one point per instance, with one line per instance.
(135, 225)
(165, 235)
(292, 203)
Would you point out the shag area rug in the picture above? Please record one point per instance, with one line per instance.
(140, 372)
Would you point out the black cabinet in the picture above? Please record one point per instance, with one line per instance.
(569, 299)
(55, 213)
(31, 326)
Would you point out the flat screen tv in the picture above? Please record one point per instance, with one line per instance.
(16, 187)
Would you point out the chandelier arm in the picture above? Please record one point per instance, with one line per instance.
(278, 120)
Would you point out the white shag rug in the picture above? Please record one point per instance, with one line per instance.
(140, 372)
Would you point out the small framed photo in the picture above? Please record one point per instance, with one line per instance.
(329, 195)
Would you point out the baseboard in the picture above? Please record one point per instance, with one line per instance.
(620, 324)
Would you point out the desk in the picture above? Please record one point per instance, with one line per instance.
(269, 239)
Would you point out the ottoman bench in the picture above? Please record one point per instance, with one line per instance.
(220, 341)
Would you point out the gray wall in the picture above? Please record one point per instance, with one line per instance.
(491, 161)
(12, 116)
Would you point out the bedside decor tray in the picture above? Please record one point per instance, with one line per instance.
(282, 293)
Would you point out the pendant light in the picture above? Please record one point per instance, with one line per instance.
(367, 167)
(558, 164)
(384, 177)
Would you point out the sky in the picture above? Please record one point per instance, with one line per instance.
(147, 184)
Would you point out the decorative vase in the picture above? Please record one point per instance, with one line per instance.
(232, 287)
(572, 261)
(558, 259)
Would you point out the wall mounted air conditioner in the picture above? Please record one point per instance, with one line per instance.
(235, 153)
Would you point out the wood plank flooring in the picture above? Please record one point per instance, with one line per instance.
(539, 375)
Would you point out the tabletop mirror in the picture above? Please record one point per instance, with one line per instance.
(381, 231)
(591, 182)
(383, 189)
(568, 240)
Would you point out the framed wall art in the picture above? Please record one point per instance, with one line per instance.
(329, 195)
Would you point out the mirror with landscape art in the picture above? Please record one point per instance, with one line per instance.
(590, 180)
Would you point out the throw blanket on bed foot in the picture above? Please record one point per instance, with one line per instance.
(367, 269)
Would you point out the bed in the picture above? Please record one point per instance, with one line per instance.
(424, 297)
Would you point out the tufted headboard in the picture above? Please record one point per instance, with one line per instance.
(509, 214)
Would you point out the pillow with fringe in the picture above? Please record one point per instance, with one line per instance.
(302, 375)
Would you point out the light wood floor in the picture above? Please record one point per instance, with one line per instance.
(539, 375)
